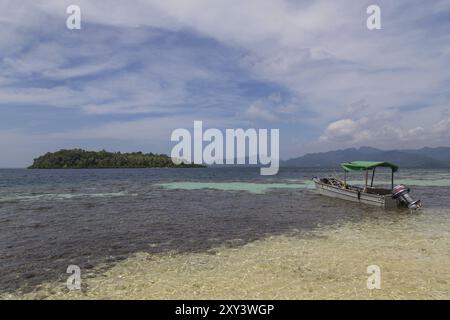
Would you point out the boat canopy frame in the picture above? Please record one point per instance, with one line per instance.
(366, 166)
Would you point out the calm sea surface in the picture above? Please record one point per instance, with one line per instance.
(50, 219)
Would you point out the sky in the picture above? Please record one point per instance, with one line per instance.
(139, 69)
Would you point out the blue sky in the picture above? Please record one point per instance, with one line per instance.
(137, 71)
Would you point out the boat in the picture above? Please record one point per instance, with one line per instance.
(387, 198)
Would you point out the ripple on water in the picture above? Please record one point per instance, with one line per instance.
(60, 196)
(177, 240)
(329, 263)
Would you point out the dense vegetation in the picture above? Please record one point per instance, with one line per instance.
(80, 159)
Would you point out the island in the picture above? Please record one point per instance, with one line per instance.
(82, 159)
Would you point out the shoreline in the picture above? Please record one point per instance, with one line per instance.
(328, 263)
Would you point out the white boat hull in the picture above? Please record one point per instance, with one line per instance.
(383, 201)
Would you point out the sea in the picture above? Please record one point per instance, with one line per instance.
(225, 233)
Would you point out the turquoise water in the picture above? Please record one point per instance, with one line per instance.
(257, 188)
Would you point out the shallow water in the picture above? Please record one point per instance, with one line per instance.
(191, 233)
(258, 188)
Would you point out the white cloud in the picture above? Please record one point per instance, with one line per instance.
(56, 96)
(258, 112)
(342, 129)
(321, 51)
(384, 132)
(364, 86)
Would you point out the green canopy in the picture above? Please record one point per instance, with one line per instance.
(366, 165)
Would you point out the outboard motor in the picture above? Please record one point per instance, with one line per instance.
(401, 193)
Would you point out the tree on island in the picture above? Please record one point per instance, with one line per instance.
(82, 159)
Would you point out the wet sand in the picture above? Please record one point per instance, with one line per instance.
(327, 263)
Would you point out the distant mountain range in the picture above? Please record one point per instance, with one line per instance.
(420, 158)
